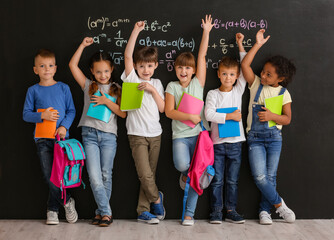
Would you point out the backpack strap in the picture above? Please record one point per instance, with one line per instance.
(185, 197)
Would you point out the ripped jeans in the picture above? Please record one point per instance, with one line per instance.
(264, 149)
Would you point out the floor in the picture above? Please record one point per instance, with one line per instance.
(167, 229)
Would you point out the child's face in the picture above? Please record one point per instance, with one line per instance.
(102, 71)
(228, 76)
(184, 73)
(145, 70)
(269, 76)
(45, 67)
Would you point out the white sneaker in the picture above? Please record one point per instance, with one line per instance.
(286, 213)
(188, 222)
(182, 183)
(265, 218)
(52, 218)
(70, 212)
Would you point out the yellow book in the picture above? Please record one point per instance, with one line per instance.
(274, 104)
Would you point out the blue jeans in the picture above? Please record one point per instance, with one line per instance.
(100, 148)
(183, 150)
(227, 160)
(45, 153)
(264, 149)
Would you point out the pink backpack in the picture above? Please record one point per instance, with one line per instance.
(201, 171)
(68, 161)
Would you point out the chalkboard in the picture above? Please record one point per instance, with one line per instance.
(301, 30)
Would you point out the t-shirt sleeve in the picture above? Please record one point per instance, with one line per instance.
(286, 97)
(160, 89)
(256, 83)
(170, 88)
(132, 77)
(211, 109)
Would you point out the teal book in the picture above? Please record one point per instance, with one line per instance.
(231, 128)
(100, 112)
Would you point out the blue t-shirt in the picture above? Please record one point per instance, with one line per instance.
(57, 96)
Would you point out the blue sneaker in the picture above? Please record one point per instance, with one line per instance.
(158, 209)
(234, 217)
(148, 218)
(216, 218)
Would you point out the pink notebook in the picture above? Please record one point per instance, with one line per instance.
(190, 104)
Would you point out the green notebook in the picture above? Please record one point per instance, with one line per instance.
(131, 96)
(274, 104)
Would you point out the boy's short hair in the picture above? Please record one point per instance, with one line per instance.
(45, 53)
(186, 59)
(229, 62)
(145, 54)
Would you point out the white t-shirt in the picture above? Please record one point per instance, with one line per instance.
(217, 99)
(144, 121)
(267, 92)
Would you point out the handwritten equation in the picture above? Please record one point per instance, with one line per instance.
(110, 32)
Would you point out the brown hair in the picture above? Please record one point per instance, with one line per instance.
(186, 59)
(45, 53)
(145, 54)
(229, 62)
(99, 57)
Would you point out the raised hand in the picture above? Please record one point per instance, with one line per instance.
(87, 41)
(260, 37)
(207, 23)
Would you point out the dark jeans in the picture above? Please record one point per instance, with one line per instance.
(227, 165)
(45, 153)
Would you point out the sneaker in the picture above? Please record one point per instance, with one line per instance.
(148, 218)
(158, 209)
(216, 218)
(286, 213)
(234, 217)
(265, 218)
(70, 212)
(182, 183)
(52, 218)
(188, 222)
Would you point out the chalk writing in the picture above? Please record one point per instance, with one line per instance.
(109, 32)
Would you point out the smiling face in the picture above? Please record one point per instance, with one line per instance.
(227, 76)
(269, 76)
(145, 70)
(45, 67)
(102, 71)
(184, 74)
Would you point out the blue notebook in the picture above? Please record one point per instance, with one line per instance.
(230, 128)
(101, 112)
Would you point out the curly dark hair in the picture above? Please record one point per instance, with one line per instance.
(284, 68)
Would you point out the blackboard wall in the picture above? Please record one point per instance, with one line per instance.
(301, 30)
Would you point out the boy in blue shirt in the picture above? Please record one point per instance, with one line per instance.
(50, 95)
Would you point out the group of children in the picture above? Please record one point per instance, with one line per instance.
(144, 130)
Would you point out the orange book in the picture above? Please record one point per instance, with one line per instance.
(45, 129)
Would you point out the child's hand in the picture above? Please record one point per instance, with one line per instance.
(266, 115)
(260, 38)
(236, 115)
(99, 100)
(50, 115)
(145, 86)
(195, 118)
(139, 26)
(87, 41)
(207, 24)
(239, 37)
(61, 131)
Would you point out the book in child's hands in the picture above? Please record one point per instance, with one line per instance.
(131, 96)
(231, 128)
(274, 104)
(46, 129)
(190, 104)
(100, 112)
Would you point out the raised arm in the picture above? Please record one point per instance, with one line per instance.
(74, 62)
(201, 62)
(247, 61)
(130, 46)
